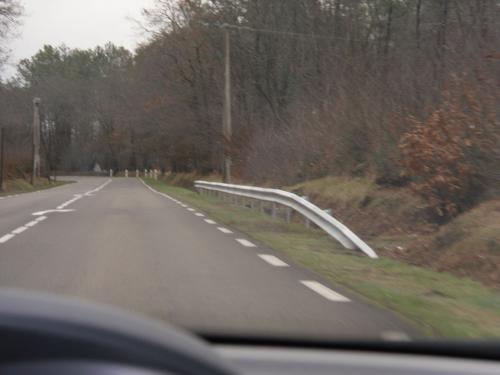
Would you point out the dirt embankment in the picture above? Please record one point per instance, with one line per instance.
(397, 224)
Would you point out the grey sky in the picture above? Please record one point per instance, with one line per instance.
(76, 23)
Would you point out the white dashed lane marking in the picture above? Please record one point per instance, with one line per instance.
(200, 215)
(395, 336)
(209, 221)
(324, 291)
(5, 238)
(245, 243)
(224, 230)
(19, 230)
(42, 216)
(272, 260)
(67, 203)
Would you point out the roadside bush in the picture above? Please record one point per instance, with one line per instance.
(450, 154)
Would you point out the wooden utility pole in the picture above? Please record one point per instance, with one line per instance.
(226, 124)
(2, 157)
(36, 140)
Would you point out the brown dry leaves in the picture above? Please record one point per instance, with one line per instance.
(443, 154)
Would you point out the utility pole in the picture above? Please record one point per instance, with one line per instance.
(226, 124)
(2, 157)
(36, 140)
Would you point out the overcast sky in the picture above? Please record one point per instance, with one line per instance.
(76, 23)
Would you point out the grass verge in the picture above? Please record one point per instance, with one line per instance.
(440, 304)
(20, 186)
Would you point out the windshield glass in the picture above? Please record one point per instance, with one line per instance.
(320, 169)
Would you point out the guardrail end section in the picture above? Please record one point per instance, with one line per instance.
(310, 212)
(367, 250)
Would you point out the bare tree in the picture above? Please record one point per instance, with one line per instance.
(10, 14)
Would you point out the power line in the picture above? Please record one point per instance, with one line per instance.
(278, 32)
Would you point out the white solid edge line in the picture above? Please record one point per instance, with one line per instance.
(7, 237)
(209, 221)
(245, 243)
(324, 291)
(160, 193)
(224, 230)
(272, 260)
(19, 230)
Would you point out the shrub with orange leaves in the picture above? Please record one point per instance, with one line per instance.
(446, 156)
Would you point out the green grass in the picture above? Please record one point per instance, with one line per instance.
(347, 190)
(19, 186)
(440, 304)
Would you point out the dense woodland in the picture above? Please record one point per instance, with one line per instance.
(405, 91)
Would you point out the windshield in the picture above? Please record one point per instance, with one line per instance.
(311, 169)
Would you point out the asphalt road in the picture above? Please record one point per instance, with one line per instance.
(118, 242)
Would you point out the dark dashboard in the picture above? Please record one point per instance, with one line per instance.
(43, 334)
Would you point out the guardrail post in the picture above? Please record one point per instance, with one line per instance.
(274, 208)
(306, 221)
(110, 173)
(136, 173)
(126, 172)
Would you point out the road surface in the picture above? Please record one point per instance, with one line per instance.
(119, 242)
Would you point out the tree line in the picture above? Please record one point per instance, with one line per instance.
(406, 91)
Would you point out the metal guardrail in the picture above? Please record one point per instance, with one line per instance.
(311, 212)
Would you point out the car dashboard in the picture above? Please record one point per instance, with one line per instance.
(280, 361)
